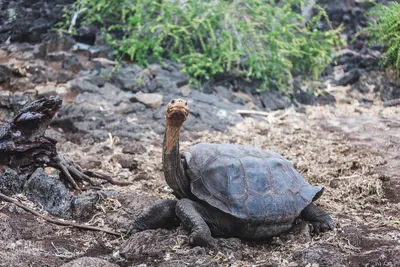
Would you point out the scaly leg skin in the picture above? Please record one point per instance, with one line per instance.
(190, 213)
(159, 215)
(320, 219)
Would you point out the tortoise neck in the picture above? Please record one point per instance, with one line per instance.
(172, 165)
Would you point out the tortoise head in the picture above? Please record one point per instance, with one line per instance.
(177, 112)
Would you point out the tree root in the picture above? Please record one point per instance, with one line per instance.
(75, 175)
(57, 221)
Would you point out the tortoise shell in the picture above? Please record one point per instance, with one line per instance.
(248, 183)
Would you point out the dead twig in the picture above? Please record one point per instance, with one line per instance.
(54, 220)
(253, 112)
(106, 177)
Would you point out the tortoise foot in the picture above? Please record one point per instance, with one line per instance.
(201, 237)
(322, 224)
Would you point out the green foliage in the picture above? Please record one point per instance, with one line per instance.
(253, 38)
(385, 30)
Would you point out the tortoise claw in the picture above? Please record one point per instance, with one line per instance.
(199, 239)
(323, 224)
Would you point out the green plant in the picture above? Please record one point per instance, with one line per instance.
(254, 38)
(384, 30)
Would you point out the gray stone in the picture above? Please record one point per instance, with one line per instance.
(81, 85)
(83, 206)
(5, 74)
(126, 161)
(350, 77)
(133, 107)
(86, 34)
(133, 148)
(72, 63)
(205, 98)
(55, 43)
(89, 261)
(10, 182)
(149, 100)
(59, 76)
(273, 100)
(49, 193)
(223, 92)
(185, 90)
(126, 79)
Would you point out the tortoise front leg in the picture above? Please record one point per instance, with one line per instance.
(190, 213)
(159, 215)
(320, 219)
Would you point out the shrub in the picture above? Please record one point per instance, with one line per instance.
(384, 30)
(252, 38)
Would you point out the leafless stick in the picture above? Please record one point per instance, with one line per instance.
(54, 220)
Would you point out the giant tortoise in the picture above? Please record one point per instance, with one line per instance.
(229, 190)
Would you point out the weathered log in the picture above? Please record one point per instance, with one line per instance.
(24, 148)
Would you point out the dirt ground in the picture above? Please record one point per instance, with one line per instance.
(351, 149)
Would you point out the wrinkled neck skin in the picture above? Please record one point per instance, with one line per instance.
(172, 165)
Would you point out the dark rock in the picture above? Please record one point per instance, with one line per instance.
(134, 148)
(11, 182)
(350, 77)
(197, 96)
(58, 56)
(96, 122)
(80, 85)
(133, 108)
(102, 51)
(38, 74)
(390, 90)
(304, 98)
(86, 34)
(99, 79)
(325, 99)
(83, 206)
(59, 76)
(55, 43)
(5, 99)
(149, 100)
(223, 92)
(5, 74)
(273, 100)
(126, 161)
(72, 64)
(177, 78)
(49, 193)
(126, 79)
(218, 118)
(89, 261)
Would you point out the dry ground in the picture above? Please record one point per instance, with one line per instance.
(350, 149)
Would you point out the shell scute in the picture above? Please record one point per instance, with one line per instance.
(248, 183)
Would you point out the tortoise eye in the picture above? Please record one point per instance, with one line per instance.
(173, 101)
(185, 103)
